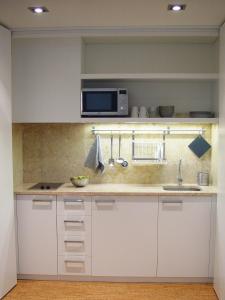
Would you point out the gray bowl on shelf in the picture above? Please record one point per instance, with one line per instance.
(166, 111)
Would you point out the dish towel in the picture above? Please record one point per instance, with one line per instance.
(95, 159)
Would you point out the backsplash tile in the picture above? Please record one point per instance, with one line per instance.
(17, 145)
(55, 152)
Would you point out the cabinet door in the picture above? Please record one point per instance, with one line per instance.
(37, 240)
(124, 236)
(184, 236)
(46, 79)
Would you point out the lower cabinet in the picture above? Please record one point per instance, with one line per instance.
(124, 236)
(74, 235)
(37, 235)
(127, 236)
(184, 236)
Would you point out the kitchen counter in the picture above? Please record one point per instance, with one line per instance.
(113, 189)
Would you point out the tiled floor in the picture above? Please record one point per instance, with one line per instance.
(61, 290)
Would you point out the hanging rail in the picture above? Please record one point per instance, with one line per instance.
(164, 131)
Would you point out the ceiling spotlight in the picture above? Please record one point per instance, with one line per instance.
(38, 9)
(176, 7)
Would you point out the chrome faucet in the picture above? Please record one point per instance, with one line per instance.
(179, 177)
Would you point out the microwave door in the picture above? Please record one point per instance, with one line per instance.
(99, 103)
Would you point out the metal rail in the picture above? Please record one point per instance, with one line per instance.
(164, 131)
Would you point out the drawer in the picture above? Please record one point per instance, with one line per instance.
(73, 225)
(74, 265)
(74, 245)
(73, 204)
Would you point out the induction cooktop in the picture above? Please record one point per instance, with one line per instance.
(46, 186)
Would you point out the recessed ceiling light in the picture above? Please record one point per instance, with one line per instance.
(38, 9)
(176, 7)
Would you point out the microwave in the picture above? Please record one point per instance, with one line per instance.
(104, 102)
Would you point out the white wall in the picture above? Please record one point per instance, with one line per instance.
(7, 230)
(220, 226)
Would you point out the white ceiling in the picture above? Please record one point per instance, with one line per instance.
(71, 13)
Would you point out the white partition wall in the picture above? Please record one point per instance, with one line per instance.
(219, 283)
(7, 230)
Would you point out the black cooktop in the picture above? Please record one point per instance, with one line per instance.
(46, 186)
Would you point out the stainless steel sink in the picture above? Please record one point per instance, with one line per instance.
(181, 188)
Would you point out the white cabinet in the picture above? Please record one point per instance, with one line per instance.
(124, 236)
(74, 235)
(37, 235)
(48, 74)
(184, 236)
(46, 79)
(121, 236)
(155, 72)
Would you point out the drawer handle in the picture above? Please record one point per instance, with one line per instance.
(42, 201)
(74, 200)
(75, 263)
(74, 221)
(74, 242)
(110, 201)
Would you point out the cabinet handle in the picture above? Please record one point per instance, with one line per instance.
(76, 242)
(75, 261)
(172, 202)
(74, 200)
(110, 201)
(42, 201)
(80, 263)
(74, 221)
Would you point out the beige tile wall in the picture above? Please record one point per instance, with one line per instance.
(214, 154)
(55, 152)
(17, 154)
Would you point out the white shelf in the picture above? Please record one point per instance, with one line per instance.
(151, 120)
(152, 76)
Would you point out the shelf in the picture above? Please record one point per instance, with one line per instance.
(151, 120)
(151, 76)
